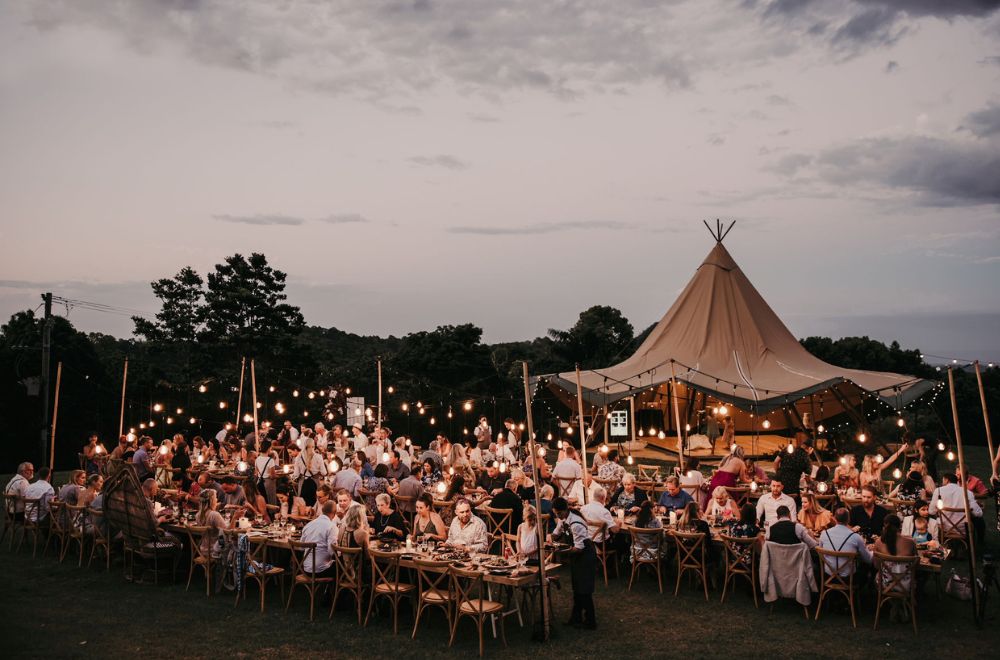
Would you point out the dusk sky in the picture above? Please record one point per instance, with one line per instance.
(417, 163)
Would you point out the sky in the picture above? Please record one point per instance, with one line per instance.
(413, 163)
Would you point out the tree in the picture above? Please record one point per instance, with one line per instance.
(246, 308)
(182, 309)
(600, 336)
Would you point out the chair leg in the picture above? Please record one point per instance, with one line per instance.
(371, 604)
(850, 599)
(479, 624)
(819, 605)
(631, 578)
(704, 580)
(725, 585)
(878, 611)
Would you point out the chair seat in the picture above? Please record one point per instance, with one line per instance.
(435, 596)
(202, 560)
(305, 579)
(392, 587)
(273, 570)
(478, 605)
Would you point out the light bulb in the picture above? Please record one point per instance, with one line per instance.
(687, 427)
(322, 392)
(241, 466)
(897, 473)
(520, 427)
(862, 438)
(390, 389)
(385, 457)
(604, 449)
(312, 395)
(630, 460)
(820, 428)
(163, 450)
(286, 468)
(152, 423)
(433, 421)
(451, 471)
(549, 437)
(940, 446)
(766, 424)
(98, 449)
(569, 430)
(641, 433)
(559, 444)
(201, 459)
(723, 410)
(334, 466)
(661, 435)
(442, 487)
(950, 456)
(202, 389)
(248, 417)
(503, 467)
(270, 389)
(715, 410)
(821, 487)
(222, 405)
(157, 407)
(940, 503)
(753, 486)
(259, 405)
(790, 449)
(449, 415)
(357, 411)
(295, 393)
(879, 459)
(590, 431)
(405, 407)
(900, 422)
(180, 411)
(170, 420)
(191, 420)
(369, 412)
(843, 460)
(541, 452)
(420, 410)
(467, 406)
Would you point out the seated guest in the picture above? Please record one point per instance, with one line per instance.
(599, 520)
(692, 481)
(868, 518)
(233, 494)
(722, 505)
(410, 487)
(767, 505)
(508, 499)
(70, 493)
(920, 526)
(527, 536)
(142, 460)
(42, 491)
(95, 483)
(429, 473)
(467, 531)
(388, 524)
(842, 538)
(628, 497)
(379, 483)
(349, 478)
(786, 532)
(353, 531)
(16, 488)
(949, 496)
(650, 545)
(646, 517)
(673, 498)
(397, 468)
(208, 516)
(748, 525)
(490, 480)
(255, 503)
(813, 515)
(427, 523)
(321, 531)
(973, 483)
(456, 489)
(525, 486)
(206, 480)
(892, 542)
(546, 495)
(290, 504)
(576, 496)
(611, 469)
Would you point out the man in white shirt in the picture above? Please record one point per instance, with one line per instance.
(504, 452)
(320, 437)
(321, 531)
(16, 488)
(949, 496)
(42, 491)
(767, 505)
(483, 433)
(222, 434)
(467, 531)
(349, 478)
(568, 468)
(360, 439)
(597, 516)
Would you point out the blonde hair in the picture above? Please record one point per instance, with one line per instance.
(354, 520)
(206, 503)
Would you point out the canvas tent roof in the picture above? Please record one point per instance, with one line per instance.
(724, 340)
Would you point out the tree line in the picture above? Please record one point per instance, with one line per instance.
(188, 358)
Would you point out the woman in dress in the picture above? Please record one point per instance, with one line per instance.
(920, 526)
(728, 434)
(354, 530)
(893, 542)
(628, 497)
(527, 536)
(649, 544)
(813, 516)
(845, 475)
(256, 502)
(871, 468)
(429, 473)
(732, 470)
(427, 524)
(746, 527)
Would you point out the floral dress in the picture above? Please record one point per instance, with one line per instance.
(374, 486)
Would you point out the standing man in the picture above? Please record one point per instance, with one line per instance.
(572, 529)
(483, 433)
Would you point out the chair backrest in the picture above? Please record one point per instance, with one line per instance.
(497, 521)
(951, 523)
(897, 574)
(649, 472)
(739, 552)
(56, 519)
(97, 523)
(432, 575)
(690, 547)
(348, 564)
(300, 553)
(835, 561)
(738, 493)
(564, 485)
(32, 509)
(469, 590)
(646, 543)
(610, 485)
(384, 567)
(195, 533)
(74, 516)
(597, 529)
(508, 542)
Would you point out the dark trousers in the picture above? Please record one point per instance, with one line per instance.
(583, 610)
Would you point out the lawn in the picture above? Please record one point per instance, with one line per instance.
(52, 609)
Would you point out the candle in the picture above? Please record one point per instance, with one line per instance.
(673, 518)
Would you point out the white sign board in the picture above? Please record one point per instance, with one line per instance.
(619, 423)
(355, 411)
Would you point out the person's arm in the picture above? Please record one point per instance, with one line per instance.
(889, 461)
(805, 536)
(935, 496)
(974, 508)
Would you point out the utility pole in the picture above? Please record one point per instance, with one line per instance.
(46, 369)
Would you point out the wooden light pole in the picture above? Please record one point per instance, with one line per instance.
(986, 417)
(543, 582)
(239, 399)
(121, 416)
(253, 386)
(677, 417)
(965, 499)
(55, 418)
(583, 431)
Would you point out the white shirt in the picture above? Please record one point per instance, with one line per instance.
(293, 433)
(221, 435)
(951, 496)
(320, 531)
(263, 466)
(505, 454)
(576, 492)
(321, 441)
(360, 441)
(567, 468)
(767, 507)
(316, 467)
(16, 487)
(577, 527)
(472, 536)
(596, 515)
(43, 491)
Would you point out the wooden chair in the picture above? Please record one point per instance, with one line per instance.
(830, 563)
(564, 485)
(648, 472)
(690, 557)
(610, 485)
(100, 539)
(600, 536)
(301, 553)
(739, 494)
(32, 508)
(645, 551)
(258, 570)
(497, 524)
(57, 530)
(646, 486)
(200, 558)
(386, 584)
(472, 601)
(405, 505)
(10, 521)
(899, 584)
(952, 528)
(902, 508)
(76, 529)
(349, 576)
(741, 561)
(445, 509)
(433, 590)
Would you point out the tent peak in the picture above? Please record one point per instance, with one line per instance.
(718, 234)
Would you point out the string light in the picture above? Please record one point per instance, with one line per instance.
(433, 421)
(191, 420)
(862, 438)
(442, 487)
(322, 392)
(247, 417)
(163, 450)
(334, 466)
(180, 411)
(390, 389)
(295, 393)
(467, 406)
(405, 407)
(157, 407)
(820, 429)
(821, 487)
(202, 389)
(270, 389)
(170, 420)
(723, 410)
(766, 424)
(630, 460)
(312, 395)
(897, 473)
(241, 466)
(222, 405)
(900, 422)
(950, 456)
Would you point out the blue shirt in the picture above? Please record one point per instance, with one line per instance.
(675, 502)
(843, 539)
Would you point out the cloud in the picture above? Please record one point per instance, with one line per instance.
(344, 218)
(891, 66)
(934, 171)
(778, 100)
(278, 124)
(985, 122)
(542, 228)
(440, 160)
(485, 119)
(992, 60)
(260, 219)
(716, 140)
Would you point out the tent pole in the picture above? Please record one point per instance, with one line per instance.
(543, 582)
(121, 415)
(583, 432)
(986, 417)
(253, 386)
(680, 441)
(965, 500)
(606, 430)
(55, 418)
(239, 400)
(378, 421)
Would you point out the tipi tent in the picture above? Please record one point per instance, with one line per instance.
(728, 347)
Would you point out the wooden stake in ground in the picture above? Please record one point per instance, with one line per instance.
(121, 416)
(239, 399)
(583, 431)
(965, 500)
(55, 418)
(543, 582)
(986, 418)
(253, 386)
(677, 417)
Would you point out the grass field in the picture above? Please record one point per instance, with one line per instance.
(58, 610)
